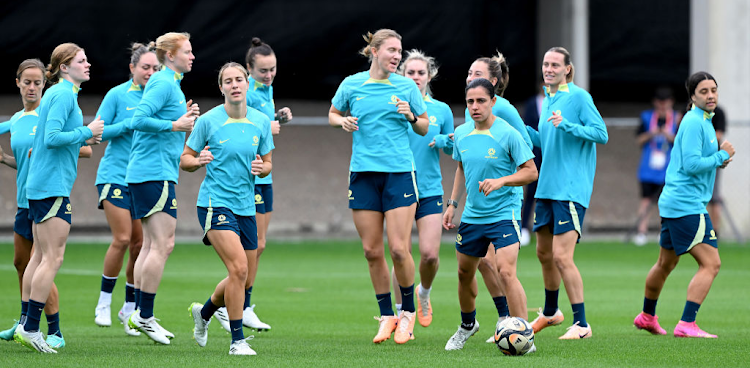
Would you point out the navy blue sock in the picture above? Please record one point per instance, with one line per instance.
(147, 304)
(579, 314)
(137, 293)
(384, 302)
(24, 312)
(129, 293)
(407, 298)
(501, 303)
(34, 315)
(208, 310)
(467, 319)
(236, 326)
(649, 306)
(248, 294)
(53, 324)
(550, 302)
(690, 311)
(108, 284)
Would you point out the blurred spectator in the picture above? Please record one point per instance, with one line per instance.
(714, 206)
(655, 136)
(532, 109)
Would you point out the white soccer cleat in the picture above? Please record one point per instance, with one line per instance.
(32, 340)
(241, 347)
(149, 326)
(166, 333)
(525, 237)
(223, 317)
(103, 316)
(458, 340)
(124, 320)
(251, 320)
(200, 331)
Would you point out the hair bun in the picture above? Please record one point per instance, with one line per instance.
(255, 42)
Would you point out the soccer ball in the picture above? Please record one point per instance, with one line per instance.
(514, 336)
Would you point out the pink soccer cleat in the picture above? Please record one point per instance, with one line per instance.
(691, 329)
(645, 321)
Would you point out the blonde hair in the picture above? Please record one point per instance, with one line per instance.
(232, 64)
(138, 49)
(169, 42)
(29, 64)
(376, 40)
(566, 60)
(498, 69)
(62, 54)
(415, 54)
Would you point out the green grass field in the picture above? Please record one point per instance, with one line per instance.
(318, 298)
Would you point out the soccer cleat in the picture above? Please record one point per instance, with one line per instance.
(532, 349)
(166, 333)
(491, 340)
(223, 318)
(576, 332)
(640, 239)
(424, 310)
(200, 331)
(7, 335)
(691, 329)
(103, 316)
(55, 341)
(650, 323)
(543, 321)
(149, 326)
(405, 328)
(32, 340)
(458, 340)
(123, 317)
(241, 347)
(250, 319)
(387, 326)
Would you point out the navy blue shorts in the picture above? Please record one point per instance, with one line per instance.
(429, 206)
(151, 197)
(45, 209)
(222, 218)
(683, 233)
(558, 216)
(117, 194)
(473, 239)
(382, 192)
(263, 198)
(23, 223)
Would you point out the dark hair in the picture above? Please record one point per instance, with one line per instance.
(692, 83)
(663, 93)
(498, 68)
(566, 60)
(481, 83)
(257, 47)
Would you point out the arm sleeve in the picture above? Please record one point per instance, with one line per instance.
(108, 112)
(456, 150)
(341, 99)
(416, 101)
(60, 108)
(534, 136)
(266, 144)
(692, 146)
(593, 128)
(154, 98)
(517, 123)
(519, 150)
(4, 127)
(442, 140)
(199, 136)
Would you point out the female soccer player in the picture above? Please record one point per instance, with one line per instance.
(234, 143)
(492, 158)
(570, 126)
(495, 69)
(52, 170)
(686, 225)
(383, 105)
(261, 63)
(22, 126)
(426, 149)
(116, 110)
(161, 119)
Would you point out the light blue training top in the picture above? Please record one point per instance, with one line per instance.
(234, 144)
(429, 177)
(156, 149)
(260, 97)
(382, 142)
(490, 154)
(691, 172)
(59, 136)
(569, 150)
(117, 109)
(22, 128)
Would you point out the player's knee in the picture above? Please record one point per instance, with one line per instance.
(562, 261)
(20, 264)
(121, 241)
(399, 255)
(485, 265)
(237, 270)
(544, 255)
(373, 254)
(465, 276)
(430, 260)
(506, 275)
